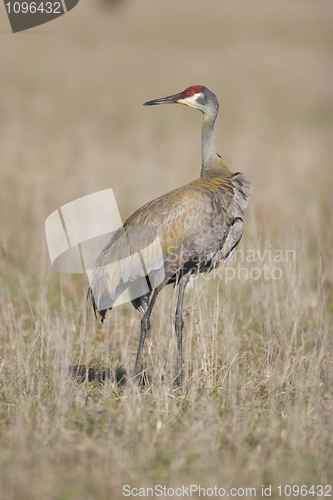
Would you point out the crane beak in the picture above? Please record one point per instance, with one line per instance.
(164, 100)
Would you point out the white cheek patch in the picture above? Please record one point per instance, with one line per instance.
(191, 101)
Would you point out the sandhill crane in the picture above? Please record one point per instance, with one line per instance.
(199, 225)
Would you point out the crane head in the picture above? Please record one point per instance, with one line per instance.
(197, 97)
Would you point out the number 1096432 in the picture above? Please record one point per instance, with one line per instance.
(33, 7)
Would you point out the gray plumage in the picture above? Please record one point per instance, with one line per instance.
(198, 226)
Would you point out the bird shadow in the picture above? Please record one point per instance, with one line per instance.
(97, 373)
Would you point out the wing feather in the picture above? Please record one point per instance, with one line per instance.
(197, 217)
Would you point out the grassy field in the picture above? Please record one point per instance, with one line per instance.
(257, 408)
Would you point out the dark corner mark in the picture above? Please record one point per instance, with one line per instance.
(26, 14)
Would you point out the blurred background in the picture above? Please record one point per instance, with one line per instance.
(72, 120)
(257, 353)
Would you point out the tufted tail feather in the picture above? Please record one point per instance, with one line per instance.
(141, 303)
(101, 314)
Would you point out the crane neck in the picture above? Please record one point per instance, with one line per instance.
(210, 158)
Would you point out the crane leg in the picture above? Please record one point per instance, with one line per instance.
(179, 324)
(145, 327)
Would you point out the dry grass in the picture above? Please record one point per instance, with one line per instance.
(258, 401)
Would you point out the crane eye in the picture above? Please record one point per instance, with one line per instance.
(190, 92)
